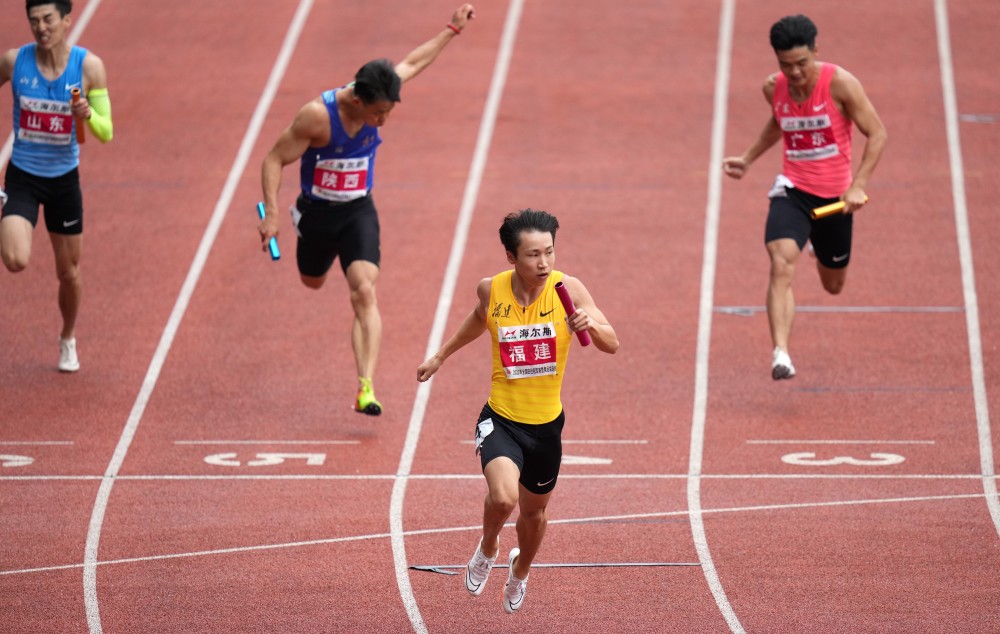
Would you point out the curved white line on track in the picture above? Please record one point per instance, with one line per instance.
(698, 535)
(968, 267)
(74, 37)
(180, 307)
(469, 198)
(459, 529)
(478, 476)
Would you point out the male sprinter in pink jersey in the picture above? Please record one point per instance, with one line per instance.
(43, 170)
(519, 431)
(335, 137)
(813, 107)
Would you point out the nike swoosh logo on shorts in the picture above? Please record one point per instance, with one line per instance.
(839, 258)
(541, 484)
(70, 223)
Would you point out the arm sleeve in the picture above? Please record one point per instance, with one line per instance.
(100, 114)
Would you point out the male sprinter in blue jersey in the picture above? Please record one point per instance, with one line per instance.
(43, 169)
(335, 137)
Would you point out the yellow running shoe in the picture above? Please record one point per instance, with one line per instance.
(366, 403)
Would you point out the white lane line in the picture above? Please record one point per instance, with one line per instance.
(840, 442)
(180, 307)
(752, 310)
(584, 442)
(605, 442)
(478, 527)
(267, 442)
(968, 266)
(709, 257)
(79, 27)
(36, 443)
(472, 184)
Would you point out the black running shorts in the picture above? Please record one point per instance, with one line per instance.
(790, 217)
(327, 231)
(60, 196)
(535, 449)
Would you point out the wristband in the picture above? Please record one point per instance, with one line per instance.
(454, 28)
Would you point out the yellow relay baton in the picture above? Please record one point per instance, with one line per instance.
(829, 210)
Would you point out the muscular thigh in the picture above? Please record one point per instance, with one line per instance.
(360, 237)
(831, 239)
(349, 231)
(60, 197)
(786, 219)
(535, 449)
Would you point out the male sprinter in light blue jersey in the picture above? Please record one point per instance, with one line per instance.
(334, 137)
(43, 169)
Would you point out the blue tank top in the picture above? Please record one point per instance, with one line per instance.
(342, 170)
(44, 128)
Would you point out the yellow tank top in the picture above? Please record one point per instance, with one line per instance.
(530, 345)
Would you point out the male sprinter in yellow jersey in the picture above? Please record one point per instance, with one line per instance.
(43, 169)
(519, 431)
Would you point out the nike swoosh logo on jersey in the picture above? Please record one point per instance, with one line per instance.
(546, 314)
(819, 107)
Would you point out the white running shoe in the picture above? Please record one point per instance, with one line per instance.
(513, 592)
(68, 361)
(478, 571)
(781, 365)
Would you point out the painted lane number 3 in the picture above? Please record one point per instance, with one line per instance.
(809, 459)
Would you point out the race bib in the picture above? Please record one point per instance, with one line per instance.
(809, 138)
(45, 121)
(527, 351)
(341, 180)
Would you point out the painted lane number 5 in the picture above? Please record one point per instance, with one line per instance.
(265, 459)
(809, 459)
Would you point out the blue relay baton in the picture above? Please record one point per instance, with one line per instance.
(273, 244)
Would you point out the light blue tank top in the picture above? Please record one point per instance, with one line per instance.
(44, 128)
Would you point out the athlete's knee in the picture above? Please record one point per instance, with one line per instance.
(833, 286)
(833, 280)
(535, 515)
(69, 274)
(782, 269)
(14, 253)
(363, 295)
(15, 263)
(314, 283)
(502, 502)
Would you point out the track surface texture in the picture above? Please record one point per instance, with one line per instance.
(204, 472)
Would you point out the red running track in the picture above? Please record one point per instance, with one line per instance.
(606, 120)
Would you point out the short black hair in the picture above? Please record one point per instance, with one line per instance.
(526, 220)
(64, 7)
(793, 31)
(377, 81)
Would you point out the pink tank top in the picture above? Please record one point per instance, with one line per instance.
(817, 138)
